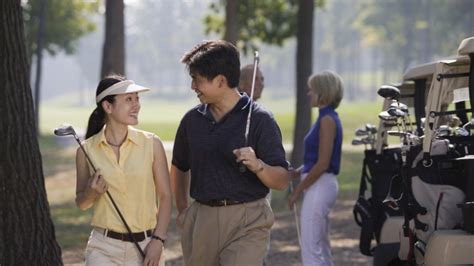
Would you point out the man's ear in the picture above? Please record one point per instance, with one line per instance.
(107, 107)
(222, 81)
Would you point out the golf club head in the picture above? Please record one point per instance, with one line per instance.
(395, 112)
(360, 132)
(371, 128)
(390, 124)
(357, 142)
(389, 92)
(397, 133)
(64, 130)
(385, 116)
(400, 106)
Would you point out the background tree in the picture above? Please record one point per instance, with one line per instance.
(27, 231)
(66, 22)
(273, 22)
(113, 53)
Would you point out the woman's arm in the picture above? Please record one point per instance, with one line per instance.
(88, 188)
(163, 190)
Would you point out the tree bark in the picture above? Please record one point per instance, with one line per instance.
(231, 21)
(27, 232)
(113, 53)
(304, 64)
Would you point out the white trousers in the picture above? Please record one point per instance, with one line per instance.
(318, 201)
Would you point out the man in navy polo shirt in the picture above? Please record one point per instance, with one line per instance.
(229, 221)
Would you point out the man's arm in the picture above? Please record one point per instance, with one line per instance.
(180, 186)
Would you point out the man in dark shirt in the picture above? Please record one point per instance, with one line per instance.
(228, 222)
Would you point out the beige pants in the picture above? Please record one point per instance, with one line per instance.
(228, 235)
(103, 250)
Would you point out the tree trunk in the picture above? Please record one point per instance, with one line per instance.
(27, 232)
(304, 56)
(231, 21)
(113, 53)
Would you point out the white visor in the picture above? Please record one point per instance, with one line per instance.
(122, 87)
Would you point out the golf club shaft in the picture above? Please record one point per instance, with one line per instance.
(85, 153)
(295, 212)
(256, 59)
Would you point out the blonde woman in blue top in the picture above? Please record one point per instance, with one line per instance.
(322, 157)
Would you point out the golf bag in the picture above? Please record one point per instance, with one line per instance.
(370, 213)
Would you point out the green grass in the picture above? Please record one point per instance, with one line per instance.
(162, 117)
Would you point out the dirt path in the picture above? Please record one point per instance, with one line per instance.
(284, 244)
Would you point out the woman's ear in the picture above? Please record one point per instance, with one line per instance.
(107, 107)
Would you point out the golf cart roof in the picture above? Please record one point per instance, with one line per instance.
(427, 70)
(466, 47)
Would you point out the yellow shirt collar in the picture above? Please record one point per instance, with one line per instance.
(131, 136)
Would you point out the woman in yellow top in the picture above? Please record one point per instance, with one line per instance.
(132, 167)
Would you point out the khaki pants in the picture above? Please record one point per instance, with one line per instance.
(103, 250)
(227, 235)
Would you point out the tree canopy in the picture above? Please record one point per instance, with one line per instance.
(66, 21)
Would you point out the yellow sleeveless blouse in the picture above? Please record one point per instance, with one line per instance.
(130, 181)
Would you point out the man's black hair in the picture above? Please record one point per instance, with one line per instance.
(212, 58)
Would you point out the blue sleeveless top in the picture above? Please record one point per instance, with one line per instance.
(311, 143)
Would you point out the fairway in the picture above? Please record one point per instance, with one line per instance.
(162, 116)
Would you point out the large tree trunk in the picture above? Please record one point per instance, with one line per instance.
(304, 64)
(113, 54)
(231, 21)
(27, 232)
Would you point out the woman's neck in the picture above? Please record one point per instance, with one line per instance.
(115, 134)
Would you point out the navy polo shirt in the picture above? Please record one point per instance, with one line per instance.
(205, 147)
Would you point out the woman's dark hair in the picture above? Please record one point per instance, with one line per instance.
(97, 118)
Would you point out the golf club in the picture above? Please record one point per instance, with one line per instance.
(389, 92)
(295, 211)
(256, 60)
(68, 130)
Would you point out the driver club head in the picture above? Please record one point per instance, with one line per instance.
(356, 142)
(371, 128)
(385, 116)
(64, 130)
(389, 92)
(400, 106)
(360, 132)
(395, 112)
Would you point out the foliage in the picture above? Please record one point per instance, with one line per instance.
(408, 29)
(66, 21)
(267, 21)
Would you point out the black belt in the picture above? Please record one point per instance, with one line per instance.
(139, 236)
(220, 203)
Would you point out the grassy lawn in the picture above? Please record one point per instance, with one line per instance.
(72, 224)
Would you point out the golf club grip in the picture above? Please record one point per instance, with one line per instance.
(242, 167)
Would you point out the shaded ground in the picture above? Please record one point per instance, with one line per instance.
(284, 243)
